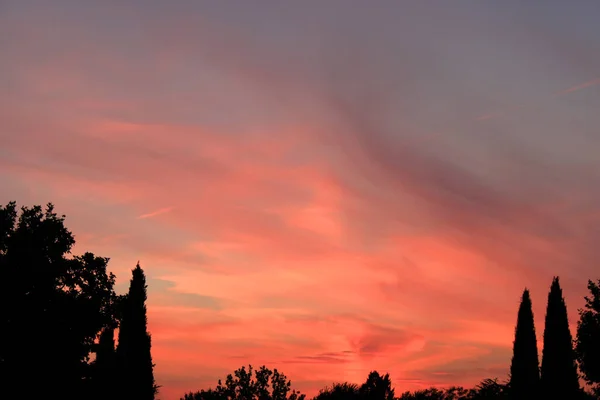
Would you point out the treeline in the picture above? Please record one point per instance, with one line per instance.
(59, 314)
(243, 386)
(557, 378)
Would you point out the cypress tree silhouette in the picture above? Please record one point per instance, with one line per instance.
(133, 350)
(525, 367)
(105, 365)
(559, 377)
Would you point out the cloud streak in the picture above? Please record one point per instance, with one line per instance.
(581, 86)
(155, 213)
(572, 89)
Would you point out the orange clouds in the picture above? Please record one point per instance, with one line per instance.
(315, 349)
(282, 188)
(276, 263)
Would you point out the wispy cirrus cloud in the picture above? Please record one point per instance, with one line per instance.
(155, 213)
(580, 86)
(572, 89)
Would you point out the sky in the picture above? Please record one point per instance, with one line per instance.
(326, 188)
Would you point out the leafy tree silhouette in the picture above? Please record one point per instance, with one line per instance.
(559, 378)
(491, 389)
(134, 347)
(339, 391)
(377, 387)
(439, 394)
(525, 367)
(426, 394)
(209, 394)
(587, 344)
(52, 307)
(265, 385)
(488, 389)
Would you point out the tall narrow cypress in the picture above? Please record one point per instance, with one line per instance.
(133, 350)
(105, 365)
(525, 367)
(559, 377)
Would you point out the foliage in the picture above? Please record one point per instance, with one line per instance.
(559, 378)
(525, 368)
(339, 391)
(52, 306)
(587, 344)
(242, 385)
(377, 387)
(104, 366)
(134, 349)
(434, 394)
(488, 389)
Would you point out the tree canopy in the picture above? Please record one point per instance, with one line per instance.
(59, 312)
(53, 304)
(264, 384)
(587, 345)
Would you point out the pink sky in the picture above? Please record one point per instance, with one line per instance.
(323, 190)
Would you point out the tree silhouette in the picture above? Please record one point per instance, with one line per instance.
(451, 393)
(57, 309)
(525, 368)
(488, 389)
(559, 377)
(339, 391)
(52, 307)
(209, 394)
(587, 344)
(265, 385)
(427, 394)
(105, 366)
(134, 348)
(377, 387)
(491, 389)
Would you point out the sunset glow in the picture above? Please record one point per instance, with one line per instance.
(326, 188)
